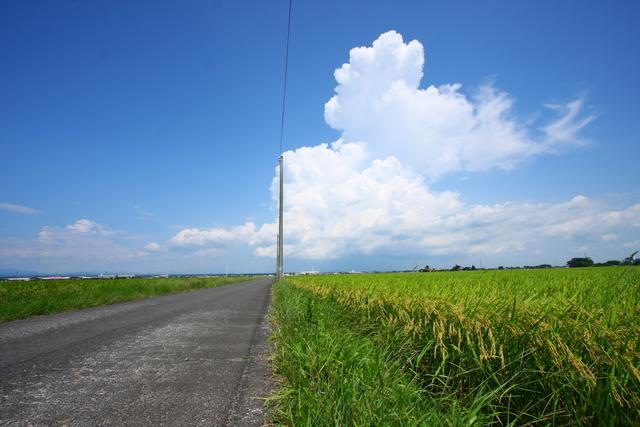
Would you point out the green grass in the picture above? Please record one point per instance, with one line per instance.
(333, 374)
(19, 300)
(554, 347)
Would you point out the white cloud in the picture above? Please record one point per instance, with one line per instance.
(81, 229)
(153, 246)
(609, 237)
(368, 192)
(85, 226)
(11, 207)
(340, 202)
(83, 239)
(437, 130)
(201, 237)
(46, 234)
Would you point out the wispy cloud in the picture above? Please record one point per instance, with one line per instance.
(82, 244)
(11, 207)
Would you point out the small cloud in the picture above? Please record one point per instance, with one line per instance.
(635, 243)
(86, 226)
(201, 237)
(609, 237)
(153, 246)
(11, 207)
(47, 234)
(83, 230)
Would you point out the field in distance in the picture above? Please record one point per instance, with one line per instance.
(554, 346)
(19, 300)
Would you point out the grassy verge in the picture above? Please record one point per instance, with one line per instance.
(331, 373)
(25, 299)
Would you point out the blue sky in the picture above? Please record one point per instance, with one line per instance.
(123, 124)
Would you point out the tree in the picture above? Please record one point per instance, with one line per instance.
(580, 262)
(456, 268)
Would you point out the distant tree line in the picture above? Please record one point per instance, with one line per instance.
(588, 262)
(572, 263)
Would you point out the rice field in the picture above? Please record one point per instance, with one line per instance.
(514, 347)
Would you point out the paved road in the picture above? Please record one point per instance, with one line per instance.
(196, 358)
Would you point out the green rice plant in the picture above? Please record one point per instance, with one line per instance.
(557, 346)
(331, 374)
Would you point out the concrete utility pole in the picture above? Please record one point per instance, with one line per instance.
(280, 255)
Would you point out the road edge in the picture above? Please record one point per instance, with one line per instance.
(248, 405)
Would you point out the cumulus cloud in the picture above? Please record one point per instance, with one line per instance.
(368, 192)
(437, 130)
(11, 207)
(201, 237)
(86, 226)
(340, 202)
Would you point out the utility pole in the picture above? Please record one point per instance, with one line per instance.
(280, 255)
(280, 243)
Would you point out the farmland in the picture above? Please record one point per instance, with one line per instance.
(19, 300)
(555, 346)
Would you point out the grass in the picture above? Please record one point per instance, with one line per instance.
(331, 374)
(19, 300)
(554, 347)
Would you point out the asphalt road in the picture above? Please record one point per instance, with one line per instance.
(195, 358)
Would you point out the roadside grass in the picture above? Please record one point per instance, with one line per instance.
(532, 347)
(331, 373)
(19, 300)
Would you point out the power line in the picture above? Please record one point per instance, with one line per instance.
(280, 237)
(286, 67)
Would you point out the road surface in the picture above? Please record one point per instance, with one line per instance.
(195, 358)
